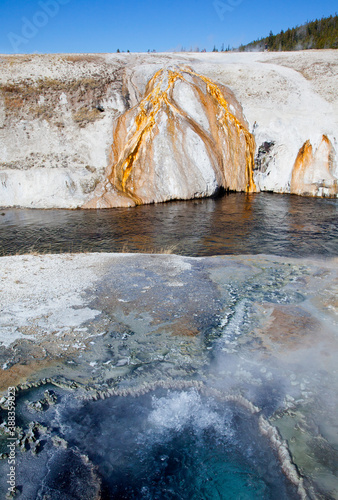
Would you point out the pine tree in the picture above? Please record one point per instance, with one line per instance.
(317, 34)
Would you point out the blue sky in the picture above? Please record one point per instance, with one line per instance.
(51, 26)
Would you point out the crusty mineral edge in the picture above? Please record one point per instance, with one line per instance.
(280, 446)
(266, 429)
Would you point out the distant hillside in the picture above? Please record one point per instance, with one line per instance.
(318, 34)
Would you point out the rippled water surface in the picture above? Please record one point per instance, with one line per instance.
(234, 224)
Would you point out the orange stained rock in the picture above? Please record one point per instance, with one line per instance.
(144, 122)
(20, 373)
(158, 117)
(312, 173)
(303, 162)
(214, 90)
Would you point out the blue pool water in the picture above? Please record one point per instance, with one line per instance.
(163, 445)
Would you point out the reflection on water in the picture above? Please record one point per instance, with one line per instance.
(238, 223)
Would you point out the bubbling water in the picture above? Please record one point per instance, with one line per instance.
(175, 445)
(165, 444)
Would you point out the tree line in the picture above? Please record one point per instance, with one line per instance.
(318, 34)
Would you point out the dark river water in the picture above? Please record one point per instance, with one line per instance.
(237, 223)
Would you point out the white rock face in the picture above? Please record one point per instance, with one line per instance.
(287, 99)
(58, 114)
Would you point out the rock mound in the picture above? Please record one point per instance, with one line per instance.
(187, 138)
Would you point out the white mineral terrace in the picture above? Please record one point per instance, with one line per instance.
(58, 150)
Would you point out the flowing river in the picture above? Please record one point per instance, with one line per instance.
(233, 224)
